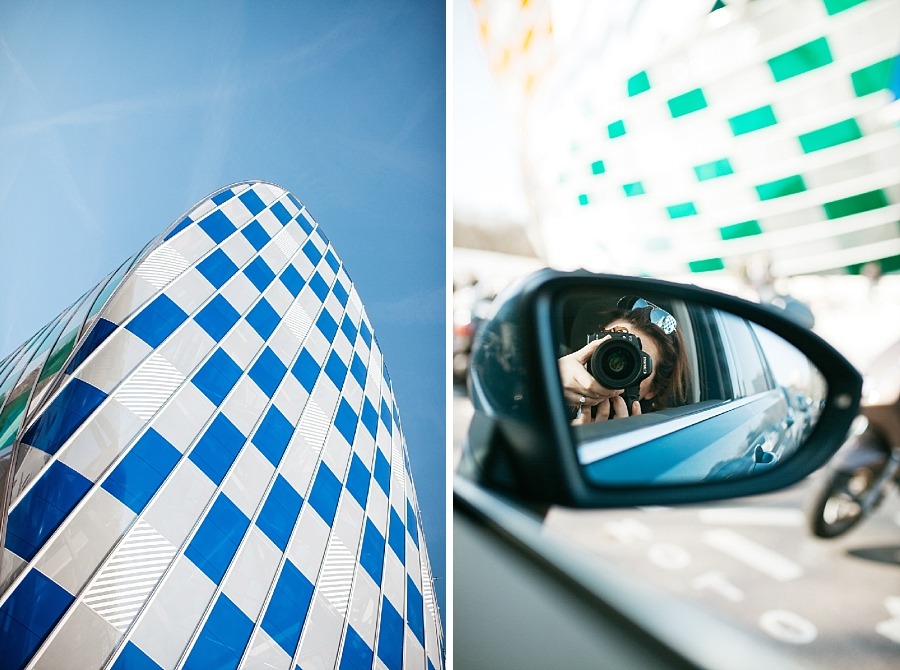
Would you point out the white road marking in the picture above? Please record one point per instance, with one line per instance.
(753, 554)
(891, 628)
(628, 530)
(749, 516)
(788, 627)
(669, 556)
(718, 582)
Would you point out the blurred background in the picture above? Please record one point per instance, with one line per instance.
(751, 146)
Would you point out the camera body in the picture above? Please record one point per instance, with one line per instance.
(620, 363)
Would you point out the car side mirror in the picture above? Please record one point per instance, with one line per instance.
(599, 391)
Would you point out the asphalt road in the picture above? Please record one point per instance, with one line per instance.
(752, 561)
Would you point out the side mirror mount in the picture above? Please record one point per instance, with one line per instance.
(716, 418)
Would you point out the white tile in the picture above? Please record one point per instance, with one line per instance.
(321, 636)
(240, 292)
(265, 653)
(121, 352)
(192, 243)
(130, 295)
(100, 440)
(242, 343)
(184, 417)
(248, 481)
(189, 291)
(181, 502)
(245, 405)
(291, 398)
(238, 249)
(252, 573)
(236, 212)
(85, 540)
(364, 604)
(174, 613)
(307, 546)
(67, 648)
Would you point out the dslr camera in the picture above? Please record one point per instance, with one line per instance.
(620, 363)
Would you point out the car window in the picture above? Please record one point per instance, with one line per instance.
(748, 366)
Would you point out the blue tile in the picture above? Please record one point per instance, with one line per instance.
(157, 321)
(28, 615)
(312, 252)
(281, 213)
(252, 201)
(345, 420)
(292, 280)
(288, 608)
(279, 513)
(386, 417)
(365, 333)
(371, 556)
(304, 223)
(101, 330)
(348, 329)
(267, 372)
(217, 376)
(263, 318)
(140, 474)
(217, 448)
(319, 286)
(181, 225)
(412, 527)
(397, 536)
(216, 541)
(336, 369)
(134, 658)
(217, 226)
(224, 638)
(294, 200)
(414, 616)
(356, 654)
(259, 273)
(358, 481)
(382, 472)
(369, 417)
(217, 268)
(325, 492)
(65, 413)
(390, 636)
(255, 235)
(217, 318)
(332, 260)
(306, 370)
(273, 435)
(224, 196)
(327, 325)
(358, 370)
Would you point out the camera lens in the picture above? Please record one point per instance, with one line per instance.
(618, 363)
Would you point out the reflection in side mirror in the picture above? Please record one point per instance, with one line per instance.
(596, 390)
(661, 390)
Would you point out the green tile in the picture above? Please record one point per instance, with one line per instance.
(707, 265)
(681, 210)
(836, 6)
(583, 200)
(781, 187)
(616, 129)
(829, 136)
(597, 167)
(874, 77)
(631, 190)
(638, 83)
(743, 229)
(755, 119)
(719, 168)
(801, 59)
(687, 103)
(862, 202)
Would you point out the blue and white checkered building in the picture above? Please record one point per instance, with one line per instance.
(202, 464)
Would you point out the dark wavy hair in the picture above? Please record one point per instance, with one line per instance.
(673, 376)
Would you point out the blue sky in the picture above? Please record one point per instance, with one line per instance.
(115, 118)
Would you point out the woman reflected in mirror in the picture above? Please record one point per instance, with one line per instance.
(657, 336)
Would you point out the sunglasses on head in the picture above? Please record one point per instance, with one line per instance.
(658, 316)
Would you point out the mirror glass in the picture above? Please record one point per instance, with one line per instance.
(665, 391)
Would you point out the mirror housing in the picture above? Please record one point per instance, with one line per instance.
(520, 441)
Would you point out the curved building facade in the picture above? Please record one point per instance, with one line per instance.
(202, 464)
